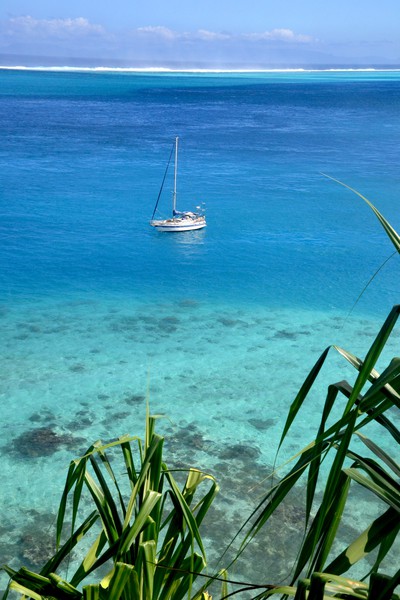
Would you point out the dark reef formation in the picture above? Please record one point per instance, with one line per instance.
(42, 441)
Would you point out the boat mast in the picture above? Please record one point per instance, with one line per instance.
(175, 174)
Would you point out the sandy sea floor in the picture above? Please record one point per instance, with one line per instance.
(222, 377)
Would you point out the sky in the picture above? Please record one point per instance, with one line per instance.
(209, 33)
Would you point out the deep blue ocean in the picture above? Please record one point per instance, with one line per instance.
(224, 322)
(83, 155)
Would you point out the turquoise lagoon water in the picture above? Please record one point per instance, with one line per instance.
(220, 326)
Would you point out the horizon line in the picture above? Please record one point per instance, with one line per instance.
(155, 70)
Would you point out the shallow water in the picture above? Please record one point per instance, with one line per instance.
(217, 328)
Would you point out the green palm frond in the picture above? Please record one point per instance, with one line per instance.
(365, 401)
(151, 535)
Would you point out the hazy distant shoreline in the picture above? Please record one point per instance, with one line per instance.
(100, 64)
(104, 69)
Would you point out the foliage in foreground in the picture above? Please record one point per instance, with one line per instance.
(149, 530)
(149, 527)
(148, 533)
(373, 399)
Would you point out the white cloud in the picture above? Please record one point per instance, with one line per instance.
(163, 33)
(276, 35)
(206, 35)
(27, 35)
(283, 35)
(29, 27)
(52, 27)
(158, 31)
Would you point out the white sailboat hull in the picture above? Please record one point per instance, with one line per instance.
(180, 220)
(179, 224)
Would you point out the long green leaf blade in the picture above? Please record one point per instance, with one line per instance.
(120, 577)
(129, 534)
(53, 564)
(366, 542)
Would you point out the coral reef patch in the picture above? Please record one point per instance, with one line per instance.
(42, 441)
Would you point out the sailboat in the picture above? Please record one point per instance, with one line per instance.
(180, 221)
